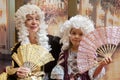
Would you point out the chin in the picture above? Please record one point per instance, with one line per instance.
(34, 30)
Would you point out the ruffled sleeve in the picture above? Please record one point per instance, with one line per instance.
(100, 75)
(57, 72)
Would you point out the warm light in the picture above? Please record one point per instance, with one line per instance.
(0, 12)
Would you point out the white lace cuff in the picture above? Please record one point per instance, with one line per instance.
(57, 72)
(100, 75)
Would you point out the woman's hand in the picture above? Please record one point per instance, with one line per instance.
(22, 72)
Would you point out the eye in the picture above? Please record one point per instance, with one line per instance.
(28, 19)
(73, 33)
(37, 18)
(81, 34)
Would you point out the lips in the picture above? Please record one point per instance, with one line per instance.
(33, 27)
(76, 40)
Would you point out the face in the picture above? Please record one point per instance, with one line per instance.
(32, 23)
(75, 37)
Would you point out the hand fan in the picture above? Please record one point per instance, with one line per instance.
(102, 42)
(32, 56)
(3, 76)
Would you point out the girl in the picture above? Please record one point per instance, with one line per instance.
(71, 35)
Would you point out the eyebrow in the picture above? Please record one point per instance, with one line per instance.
(29, 16)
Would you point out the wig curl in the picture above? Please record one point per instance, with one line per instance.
(20, 18)
(79, 22)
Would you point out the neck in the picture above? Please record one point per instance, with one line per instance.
(32, 38)
(74, 49)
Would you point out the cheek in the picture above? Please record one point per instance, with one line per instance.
(70, 38)
(37, 22)
(27, 24)
(80, 38)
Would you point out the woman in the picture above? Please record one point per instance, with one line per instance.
(31, 27)
(71, 35)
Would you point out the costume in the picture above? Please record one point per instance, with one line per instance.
(64, 71)
(41, 37)
(54, 42)
(56, 48)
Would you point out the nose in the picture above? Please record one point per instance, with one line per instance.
(34, 21)
(77, 36)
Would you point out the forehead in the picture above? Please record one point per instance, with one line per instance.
(76, 30)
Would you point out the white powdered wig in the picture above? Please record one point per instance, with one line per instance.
(20, 18)
(79, 22)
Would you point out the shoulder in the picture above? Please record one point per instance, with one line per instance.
(54, 41)
(53, 38)
(63, 54)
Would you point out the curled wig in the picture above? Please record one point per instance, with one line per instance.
(79, 22)
(20, 18)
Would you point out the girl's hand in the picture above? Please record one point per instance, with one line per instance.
(106, 60)
(22, 72)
